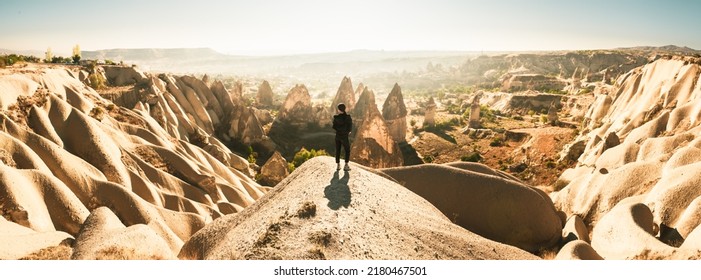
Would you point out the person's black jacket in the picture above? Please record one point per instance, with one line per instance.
(343, 124)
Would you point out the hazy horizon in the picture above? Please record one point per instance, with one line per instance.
(285, 27)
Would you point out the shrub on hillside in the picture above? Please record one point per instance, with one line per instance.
(443, 125)
(486, 114)
(252, 155)
(304, 155)
(496, 142)
(97, 81)
(472, 157)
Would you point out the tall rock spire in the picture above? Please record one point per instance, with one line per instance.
(345, 95)
(394, 112)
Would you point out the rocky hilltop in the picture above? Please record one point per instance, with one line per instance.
(320, 213)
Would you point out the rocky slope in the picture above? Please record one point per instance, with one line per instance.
(586, 65)
(67, 152)
(637, 165)
(487, 202)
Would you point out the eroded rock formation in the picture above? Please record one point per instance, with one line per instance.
(265, 96)
(394, 112)
(373, 145)
(274, 170)
(345, 95)
(430, 114)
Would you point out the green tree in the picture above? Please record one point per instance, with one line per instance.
(252, 155)
(97, 81)
(76, 54)
(49, 56)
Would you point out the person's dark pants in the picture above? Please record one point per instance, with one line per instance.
(342, 140)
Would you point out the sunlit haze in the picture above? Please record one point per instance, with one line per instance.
(282, 27)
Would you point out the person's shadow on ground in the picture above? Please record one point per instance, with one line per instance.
(337, 192)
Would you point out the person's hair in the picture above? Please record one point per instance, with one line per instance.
(341, 107)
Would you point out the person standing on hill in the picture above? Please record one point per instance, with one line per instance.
(343, 124)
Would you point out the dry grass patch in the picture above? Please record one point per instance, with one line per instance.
(60, 252)
(97, 113)
(120, 253)
(320, 238)
(126, 116)
(7, 159)
(548, 253)
(270, 236)
(307, 210)
(315, 254)
(18, 112)
(150, 156)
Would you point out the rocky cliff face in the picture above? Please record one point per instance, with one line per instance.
(520, 82)
(394, 112)
(586, 65)
(521, 103)
(118, 75)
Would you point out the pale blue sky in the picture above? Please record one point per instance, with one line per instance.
(278, 27)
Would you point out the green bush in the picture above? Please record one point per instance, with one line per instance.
(443, 125)
(543, 118)
(518, 118)
(252, 155)
(304, 155)
(428, 158)
(472, 157)
(453, 109)
(554, 91)
(11, 59)
(97, 81)
(486, 114)
(496, 142)
(98, 113)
